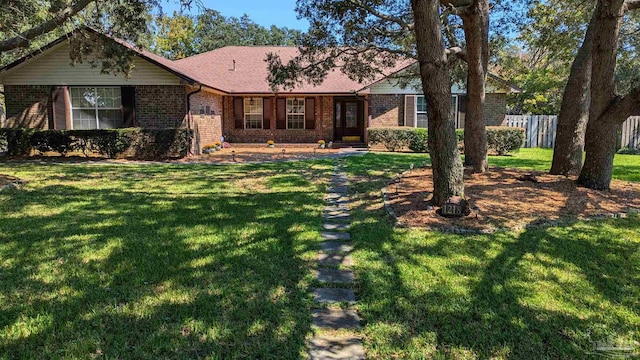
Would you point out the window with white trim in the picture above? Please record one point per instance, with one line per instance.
(253, 113)
(96, 107)
(422, 120)
(295, 113)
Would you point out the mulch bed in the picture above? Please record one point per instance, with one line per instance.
(260, 154)
(503, 201)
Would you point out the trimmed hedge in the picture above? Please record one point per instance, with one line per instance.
(130, 142)
(500, 139)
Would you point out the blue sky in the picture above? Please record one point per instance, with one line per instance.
(265, 13)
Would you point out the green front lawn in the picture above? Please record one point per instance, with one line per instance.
(542, 293)
(189, 261)
(158, 261)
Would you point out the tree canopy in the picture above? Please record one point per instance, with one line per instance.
(182, 35)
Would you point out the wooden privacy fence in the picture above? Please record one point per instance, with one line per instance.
(541, 130)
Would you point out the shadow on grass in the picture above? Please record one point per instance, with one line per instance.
(542, 293)
(147, 268)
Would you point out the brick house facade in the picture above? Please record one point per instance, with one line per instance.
(207, 93)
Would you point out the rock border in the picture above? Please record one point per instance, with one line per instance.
(538, 223)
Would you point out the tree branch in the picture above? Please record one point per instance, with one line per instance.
(387, 17)
(631, 5)
(623, 106)
(22, 40)
(455, 53)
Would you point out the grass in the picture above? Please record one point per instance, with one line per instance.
(196, 261)
(158, 261)
(540, 293)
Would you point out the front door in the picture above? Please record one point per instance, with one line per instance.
(349, 119)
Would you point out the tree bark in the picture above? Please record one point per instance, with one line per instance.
(475, 22)
(436, 83)
(601, 136)
(574, 113)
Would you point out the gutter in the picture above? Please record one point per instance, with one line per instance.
(189, 117)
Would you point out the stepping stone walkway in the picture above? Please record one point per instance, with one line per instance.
(334, 263)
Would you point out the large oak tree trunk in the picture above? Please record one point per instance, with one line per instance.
(476, 31)
(574, 113)
(436, 83)
(600, 144)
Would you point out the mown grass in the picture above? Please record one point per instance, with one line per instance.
(541, 293)
(158, 261)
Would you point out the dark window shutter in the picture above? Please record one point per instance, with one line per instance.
(281, 113)
(410, 110)
(462, 110)
(59, 98)
(266, 113)
(128, 106)
(238, 112)
(310, 113)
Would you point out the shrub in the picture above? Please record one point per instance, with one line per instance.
(504, 139)
(392, 138)
(629, 151)
(58, 141)
(130, 142)
(17, 141)
(419, 141)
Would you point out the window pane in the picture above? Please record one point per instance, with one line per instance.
(338, 114)
(84, 119)
(421, 104)
(295, 121)
(351, 115)
(82, 97)
(110, 119)
(253, 113)
(295, 113)
(422, 121)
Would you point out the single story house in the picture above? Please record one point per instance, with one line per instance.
(220, 92)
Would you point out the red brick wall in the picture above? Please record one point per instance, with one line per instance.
(207, 127)
(161, 106)
(386, 110)
(28, 106)
(495, 107)
(323, 130)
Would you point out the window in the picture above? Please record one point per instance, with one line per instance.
(96, 107)
(295, 113)
(421, 112)
(253, 113)
(422, 120)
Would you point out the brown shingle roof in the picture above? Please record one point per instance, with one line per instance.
(250, 74)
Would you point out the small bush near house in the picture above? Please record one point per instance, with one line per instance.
(504, 139)
(500, 139)
(624, 150)
(131, 142)
(392, 139)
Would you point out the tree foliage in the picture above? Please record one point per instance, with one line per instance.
(183, 35)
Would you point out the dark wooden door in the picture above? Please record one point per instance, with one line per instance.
(349, 119)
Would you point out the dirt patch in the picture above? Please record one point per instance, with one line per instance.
(7, 180)
(253, 154)
(502, 201)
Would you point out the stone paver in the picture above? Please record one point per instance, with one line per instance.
(334, 246)
(335, 259)
(329, 226)
(335, 319)
(332, 348)
(340, 216)
(334, 295)
(338, 189)
(327, 235)
(344, 207)
(328, 275)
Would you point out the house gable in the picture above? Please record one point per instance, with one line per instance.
(53, 67)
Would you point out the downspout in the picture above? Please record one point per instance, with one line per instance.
(189, 116)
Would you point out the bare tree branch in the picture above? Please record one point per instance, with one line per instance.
(22, 40)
